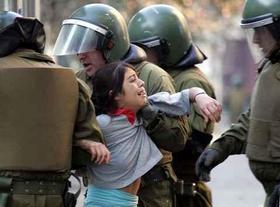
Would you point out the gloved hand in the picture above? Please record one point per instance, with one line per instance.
(209, 159)
(149, 114)
(274, 198)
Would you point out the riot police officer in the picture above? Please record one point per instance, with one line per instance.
(163, 32)
(44, 109)
(257, 131)
(99, 36)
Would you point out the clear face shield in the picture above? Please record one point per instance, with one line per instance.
(77, 36)
(261, 41)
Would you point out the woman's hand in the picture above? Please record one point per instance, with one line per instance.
(99, 152)
(210, 108)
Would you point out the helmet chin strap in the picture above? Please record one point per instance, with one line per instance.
(135, 54)
(275, 57)
(194, 56)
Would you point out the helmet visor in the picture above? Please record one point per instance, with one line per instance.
(261, 42)
(77, 37)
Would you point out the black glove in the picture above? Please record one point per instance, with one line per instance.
(149, 114)
(209, 159)
(274, 198)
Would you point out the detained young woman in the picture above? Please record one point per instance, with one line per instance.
(118, 94)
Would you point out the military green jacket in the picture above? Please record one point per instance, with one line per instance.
(264, 129)
(193, 77)
(86, 127)
(256, 132)
(184, 161)
(81, 74)
(234, 140)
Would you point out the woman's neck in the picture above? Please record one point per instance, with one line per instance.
(130, 114)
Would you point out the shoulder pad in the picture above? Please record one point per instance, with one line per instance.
(194, 56)
(135, 55)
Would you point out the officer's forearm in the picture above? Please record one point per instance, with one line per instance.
(234, 140)
(169, 133)
(98, 151)
(229, 146)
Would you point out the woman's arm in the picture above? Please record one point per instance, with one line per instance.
(178, 104)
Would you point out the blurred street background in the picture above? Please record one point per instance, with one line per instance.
(214, 25)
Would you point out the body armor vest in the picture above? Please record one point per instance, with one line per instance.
(38, 110)
(264, 128)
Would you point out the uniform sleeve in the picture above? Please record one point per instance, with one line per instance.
(168, 133)
(86, 124)
(234, 140)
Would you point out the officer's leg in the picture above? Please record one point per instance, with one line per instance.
(156, 194)
(197, 196)
(203, 197)
(184, 200)
(268, 174)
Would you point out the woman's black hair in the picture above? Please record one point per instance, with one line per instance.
(107, 83)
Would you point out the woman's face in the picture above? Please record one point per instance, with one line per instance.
(133, 94)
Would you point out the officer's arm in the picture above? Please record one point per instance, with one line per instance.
(234, 140)
(168, 133)
(178, 104)
(89, 144)
(86, 124)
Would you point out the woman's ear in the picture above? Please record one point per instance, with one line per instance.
(117, 96)
(110, 93)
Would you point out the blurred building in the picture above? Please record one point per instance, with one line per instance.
(239, 73)
(24, 7)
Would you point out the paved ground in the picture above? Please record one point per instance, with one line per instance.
(233, 185)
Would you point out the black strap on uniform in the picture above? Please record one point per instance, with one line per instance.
(70, 199)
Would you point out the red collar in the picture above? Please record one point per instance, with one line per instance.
(131, 116)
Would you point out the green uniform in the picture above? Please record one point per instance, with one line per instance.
(81, 74)
(168, 133)
(234, 140)
(157, 190)
(37, 134)
(257, 132)
(184, 161)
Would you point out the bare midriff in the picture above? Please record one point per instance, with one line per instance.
(133, 187)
